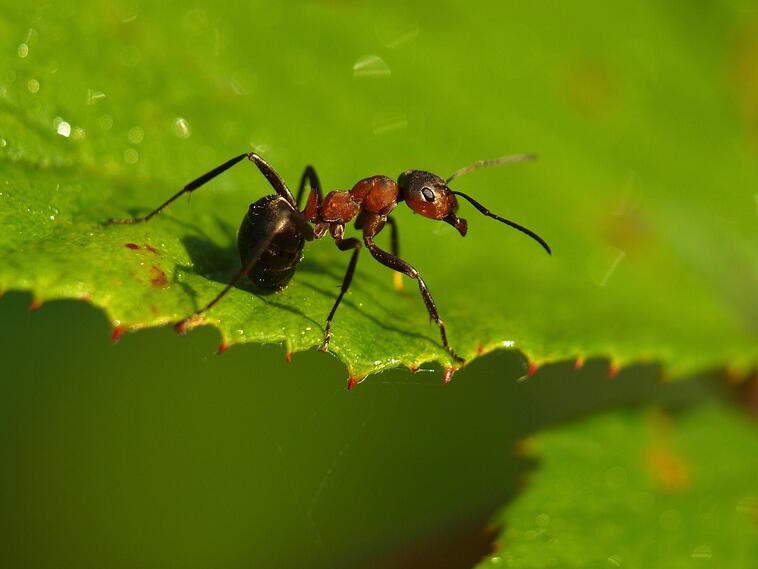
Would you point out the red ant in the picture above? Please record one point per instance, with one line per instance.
(272, 234)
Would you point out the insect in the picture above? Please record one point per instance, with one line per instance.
(274, 230)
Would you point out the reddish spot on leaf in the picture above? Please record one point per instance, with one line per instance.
(413, 369)
(480, 349)
(116, 333)
(613, 370)
(222, 347)
(351, 382)
(579, 363)
(158, 277)
(152, 249)
(181, 327)
(36, 304)
(669, 469)
(288, 357)
(132, 246)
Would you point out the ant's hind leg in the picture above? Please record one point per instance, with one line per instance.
(274, 179)
(193, 185)
(255, 254)
(260, 248)
(397, 264)
(344, 245)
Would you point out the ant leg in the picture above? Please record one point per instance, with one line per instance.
(268, 172)
(397, 278)
(273, 178)
(193, 185)
(397, 264)
(261, 247)
(343, 245)
(310, 175)
(394, 242)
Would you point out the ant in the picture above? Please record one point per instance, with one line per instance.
(274, 230)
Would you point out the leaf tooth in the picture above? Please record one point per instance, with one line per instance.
(448, 375)
(181, 327)
(35, 304)
(532, 368)
(613, 369)
(116, 333)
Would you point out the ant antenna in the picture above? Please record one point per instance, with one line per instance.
(494, 162)
(513, 224)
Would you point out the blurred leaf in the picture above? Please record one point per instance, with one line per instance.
(638, 490)
(645, 187)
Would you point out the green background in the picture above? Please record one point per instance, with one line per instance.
(156, 452)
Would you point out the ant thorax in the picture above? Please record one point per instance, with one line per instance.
(375, 195)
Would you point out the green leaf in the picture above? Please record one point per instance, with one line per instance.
(634, 489)
(645, 187)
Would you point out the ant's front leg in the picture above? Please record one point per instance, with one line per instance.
(397, 264)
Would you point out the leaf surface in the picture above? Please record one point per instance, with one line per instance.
(633, 489)
(645, 186)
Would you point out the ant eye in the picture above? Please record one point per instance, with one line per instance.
(428, 194)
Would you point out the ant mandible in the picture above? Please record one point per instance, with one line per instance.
(272, 234)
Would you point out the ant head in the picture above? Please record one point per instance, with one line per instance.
(428, 194)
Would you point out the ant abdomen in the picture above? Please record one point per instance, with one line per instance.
(267, 219)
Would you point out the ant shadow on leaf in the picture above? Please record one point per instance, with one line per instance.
(391, 317)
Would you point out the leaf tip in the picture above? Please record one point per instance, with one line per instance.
(532, 369)
(448, 375)
(222, 347)
(288, 357)
(116, 333)
(35, 304)
(579, 362)
(613, 370)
